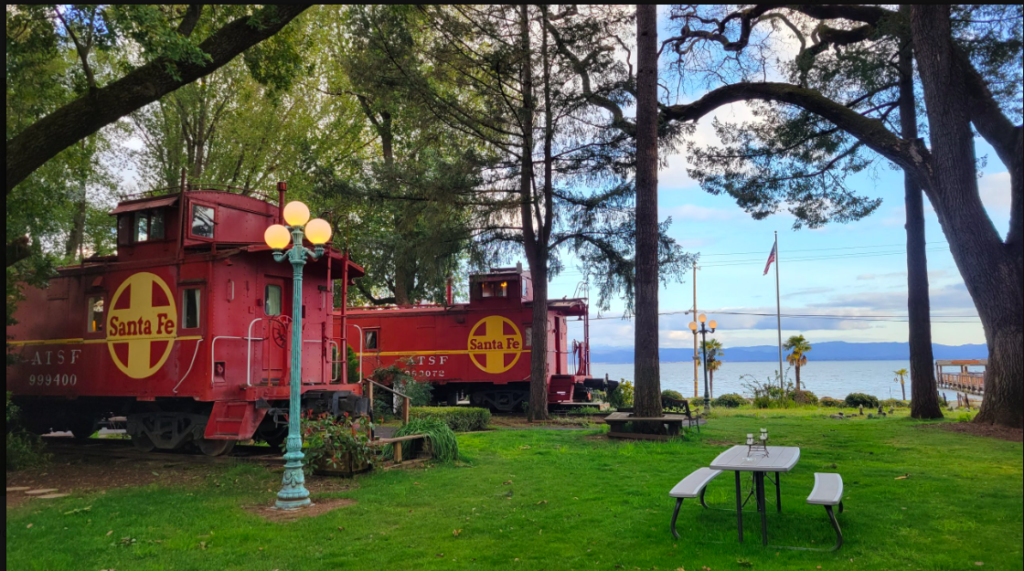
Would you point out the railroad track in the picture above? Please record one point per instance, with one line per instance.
(65, 447)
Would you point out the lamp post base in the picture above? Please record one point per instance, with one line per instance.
(292, 505)
(293, 494)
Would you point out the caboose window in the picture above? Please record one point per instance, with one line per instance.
(272, 300)
(493, 289)
(94, 320)
(202, 221)
(149, 225)
(190, 309)
(372, 339)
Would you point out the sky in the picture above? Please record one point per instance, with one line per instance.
(854, 273)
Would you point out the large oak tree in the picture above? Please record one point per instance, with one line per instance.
(958, 95)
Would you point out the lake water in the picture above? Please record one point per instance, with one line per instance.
(824, 378)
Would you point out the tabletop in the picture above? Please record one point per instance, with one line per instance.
(779, 459)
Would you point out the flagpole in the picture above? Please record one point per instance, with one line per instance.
(778, 310)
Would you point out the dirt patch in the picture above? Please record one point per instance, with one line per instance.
(318, 508)
(988, 430)
(91, 474)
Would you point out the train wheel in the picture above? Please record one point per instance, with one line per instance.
(143, 442)
(215, 447)
(83, 428)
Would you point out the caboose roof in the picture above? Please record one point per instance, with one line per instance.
(143, 204)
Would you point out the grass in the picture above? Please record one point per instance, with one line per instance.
(562, 500)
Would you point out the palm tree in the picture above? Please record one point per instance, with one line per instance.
(798, 348)
(899, 379)
(715, 354)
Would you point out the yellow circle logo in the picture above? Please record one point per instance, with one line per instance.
(495, 344)
(141, 325)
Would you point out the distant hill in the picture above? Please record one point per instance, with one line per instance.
(826, 351)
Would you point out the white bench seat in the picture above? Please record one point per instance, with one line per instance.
(691, 486)
(827, 491)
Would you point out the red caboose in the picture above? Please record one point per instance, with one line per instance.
(478, 350)
(185, 331)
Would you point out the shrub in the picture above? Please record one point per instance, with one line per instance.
(829, 402)
(767, 394)
(622, 396)
(335, 443)
(24, 450)
(458, 418)
(854, 400)
(730, 400)
(805, 397)
(12, 412)
(674, 395)
(895, 403)
(442, 439)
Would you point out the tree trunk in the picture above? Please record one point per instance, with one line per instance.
(992, 270)
(798, 377)
(536, 250)
(903, 388)
(711, 383)
(76, 236)
(924, 395)
(539, 348)
(647, 395)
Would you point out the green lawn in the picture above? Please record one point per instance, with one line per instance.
(574, 501)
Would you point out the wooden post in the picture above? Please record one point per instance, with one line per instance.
(405, 411)
(398, 452)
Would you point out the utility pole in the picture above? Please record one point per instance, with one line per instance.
(696, 367)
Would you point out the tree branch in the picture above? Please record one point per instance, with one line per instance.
(191, 18)
(82, 117)
(871, 132)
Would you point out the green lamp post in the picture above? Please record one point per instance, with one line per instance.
(293, 494)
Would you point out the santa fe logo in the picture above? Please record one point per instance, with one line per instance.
(495, 344)
(141, 325)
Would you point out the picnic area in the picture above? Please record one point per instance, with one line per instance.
(917, 495)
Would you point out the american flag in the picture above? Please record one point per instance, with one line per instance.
(771, 258)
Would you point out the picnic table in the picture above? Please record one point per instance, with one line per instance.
(737, 459)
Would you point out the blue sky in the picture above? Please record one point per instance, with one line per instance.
(856, 269)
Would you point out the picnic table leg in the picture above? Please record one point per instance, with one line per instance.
(778, 491)
(761, 507)
(739, 506)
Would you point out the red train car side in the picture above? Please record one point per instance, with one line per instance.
(478, 350)
(185, 331)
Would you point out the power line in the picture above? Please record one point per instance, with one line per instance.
(822, 249)
(811, 258)
(869, 318)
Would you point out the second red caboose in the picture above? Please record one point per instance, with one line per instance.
(479, 350)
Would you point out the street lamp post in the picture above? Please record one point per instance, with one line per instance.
(704, 339)
(293, 494)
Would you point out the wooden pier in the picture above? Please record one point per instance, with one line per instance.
(963, 381)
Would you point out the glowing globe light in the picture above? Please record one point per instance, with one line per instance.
(713, 324)
(702, 318)
(693, 326)
(296, 213)
(277, 236)
(318, 231)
